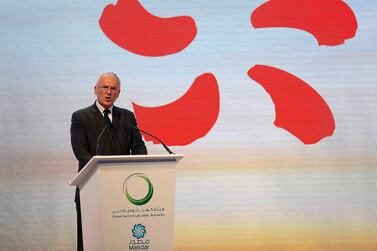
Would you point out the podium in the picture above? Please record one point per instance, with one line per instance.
(128, 202)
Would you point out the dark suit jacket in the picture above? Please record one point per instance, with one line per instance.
(119, 139)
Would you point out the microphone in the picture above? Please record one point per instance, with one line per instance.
(107, 125)
(147, 133)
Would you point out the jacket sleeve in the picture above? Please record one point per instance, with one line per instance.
(79, 140)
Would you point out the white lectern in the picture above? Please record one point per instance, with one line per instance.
(128, 202)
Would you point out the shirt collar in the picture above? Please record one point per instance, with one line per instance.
(101, 108)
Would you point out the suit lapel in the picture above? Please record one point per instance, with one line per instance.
(99, 121)
(117, 126)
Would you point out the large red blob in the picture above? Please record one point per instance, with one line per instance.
(299, 108)
(133, 28)
(185, 120)
(330, 21)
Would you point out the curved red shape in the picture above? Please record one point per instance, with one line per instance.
(299, 108)
(185, 120)
(133, 28)
(330, 21)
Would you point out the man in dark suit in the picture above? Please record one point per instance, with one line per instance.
(119, 138)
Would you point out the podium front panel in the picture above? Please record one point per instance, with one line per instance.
(129, 206)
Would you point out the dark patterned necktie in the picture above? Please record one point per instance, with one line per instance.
(106, 116)
(112, 144)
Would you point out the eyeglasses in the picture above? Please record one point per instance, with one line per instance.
(107, 88)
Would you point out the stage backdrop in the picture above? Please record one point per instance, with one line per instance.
(273, 104)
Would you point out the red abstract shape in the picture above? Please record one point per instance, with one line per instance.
(185, 120)
(133, 28)
(299, 108)
(330, 21)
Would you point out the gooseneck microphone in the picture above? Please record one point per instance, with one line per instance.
(107, 125)
(147, 133)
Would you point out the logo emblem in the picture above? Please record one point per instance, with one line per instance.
(129, 181)
(139, 231)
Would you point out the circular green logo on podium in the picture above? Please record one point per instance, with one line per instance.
(130, 185)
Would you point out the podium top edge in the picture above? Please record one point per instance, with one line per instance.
(138, 157)
(123, 158)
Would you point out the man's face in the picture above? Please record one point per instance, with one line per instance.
(107, 90)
